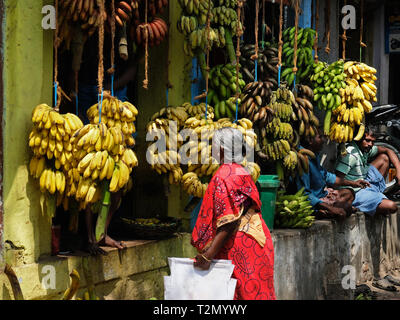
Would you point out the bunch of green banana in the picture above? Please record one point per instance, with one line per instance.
(303, 119)
(293, 211)
(255, 96)
(327, 80)
(223, 83)
(200, 39)
(115, 113)
(223, 16)
(198, 8)
(187, 24)
(226, 3)
(224, 86)
(267, 61)
(305, 59)
(272, 150)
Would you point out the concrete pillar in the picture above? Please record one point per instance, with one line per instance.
(27, 74)
(380, 59)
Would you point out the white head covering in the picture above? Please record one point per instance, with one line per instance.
(231, 141)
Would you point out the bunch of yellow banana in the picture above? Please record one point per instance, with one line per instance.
(207, 165)
(177, 114)
(193, 186)
(37, 166)
(97, 137)
(358, 95)
(100, 153)
(115, 113)
(356, 101)
(96, 165)
(290, 160)
(52, 181)
(164, 129)
(253, 169)
(51, 134)
(87, 192)
(202, 128)
(278, 129)
(342, 133)
(199, 110)
(167, 162)
(361, 87)
(120, 176)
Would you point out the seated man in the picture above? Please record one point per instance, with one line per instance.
(366, 161)
(328, 203)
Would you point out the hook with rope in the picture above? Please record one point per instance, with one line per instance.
(362, 44)
(328, 26)
(57, 88)
(238, 54)
(280, 43)
(100, 76)
(295, 69)
(146, 46)
(255, 56)
(316, 31)
(111, 71)
(344, 39)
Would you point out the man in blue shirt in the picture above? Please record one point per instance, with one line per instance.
(328, 202)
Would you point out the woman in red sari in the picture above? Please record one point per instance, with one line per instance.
(230, 225)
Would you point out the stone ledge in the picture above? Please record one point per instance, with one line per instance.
(309, 262)
(147, 258)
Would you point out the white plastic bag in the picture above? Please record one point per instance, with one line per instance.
(189, 283)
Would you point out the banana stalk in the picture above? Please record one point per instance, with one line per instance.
(105, 206)
(201, 58)
(74, 216)
(229, 46)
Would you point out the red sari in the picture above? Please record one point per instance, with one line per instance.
(223, 201)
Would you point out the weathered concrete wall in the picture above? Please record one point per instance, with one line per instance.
(308, 263)
(132, 274)
(28, 65)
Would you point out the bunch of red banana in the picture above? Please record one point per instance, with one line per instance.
(125, 10)
(157, 31)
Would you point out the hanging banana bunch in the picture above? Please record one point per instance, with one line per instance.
(52, 151)
(348, 121)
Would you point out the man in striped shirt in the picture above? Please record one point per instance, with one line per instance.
(363, 160)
